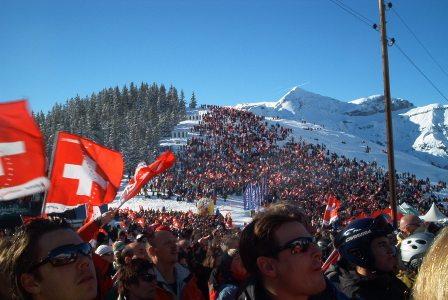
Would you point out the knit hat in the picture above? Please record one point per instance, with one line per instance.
(118, 246)
(103, 249)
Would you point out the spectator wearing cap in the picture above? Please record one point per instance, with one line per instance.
(173, 280)
(105, 252)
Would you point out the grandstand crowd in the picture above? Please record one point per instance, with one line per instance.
(237, 147)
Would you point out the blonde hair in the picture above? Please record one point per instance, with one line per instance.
(432, 279)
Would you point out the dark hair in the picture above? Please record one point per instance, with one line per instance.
(129, 273)
(22, 253)
(5, 284)
(258, 238)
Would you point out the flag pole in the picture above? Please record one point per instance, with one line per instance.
(50, 171)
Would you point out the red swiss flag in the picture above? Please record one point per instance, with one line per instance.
(83, 172)
(144, 173)
(22, 158)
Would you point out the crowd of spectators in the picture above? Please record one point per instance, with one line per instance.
(234, 148)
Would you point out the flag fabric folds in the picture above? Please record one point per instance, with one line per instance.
(22, 156)
(331, 210)
(144, 173)
(82, 172)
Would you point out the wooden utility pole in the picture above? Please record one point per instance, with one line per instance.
(387, 103)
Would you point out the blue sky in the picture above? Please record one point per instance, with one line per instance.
(226, 51)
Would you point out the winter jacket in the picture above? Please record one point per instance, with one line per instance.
(383, 286)
(254, 290)
(187, 288)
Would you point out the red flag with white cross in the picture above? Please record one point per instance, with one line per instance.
(22, 155)
(83, 172)
(331, 210)
(144, 173)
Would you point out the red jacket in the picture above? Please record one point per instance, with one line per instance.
(186, 286)
(87, 232)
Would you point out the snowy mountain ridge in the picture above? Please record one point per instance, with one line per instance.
(420, 133)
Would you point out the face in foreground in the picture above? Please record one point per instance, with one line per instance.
(297, 273)
(384, 254)
(165, 247)
(72, 281)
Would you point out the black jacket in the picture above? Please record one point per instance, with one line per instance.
(383, 286)
(254, 290)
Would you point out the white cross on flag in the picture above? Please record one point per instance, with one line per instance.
(83, 172)
(22, 159)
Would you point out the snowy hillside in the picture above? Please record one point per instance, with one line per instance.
(353, 128)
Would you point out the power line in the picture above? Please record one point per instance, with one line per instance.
(420, 71)
(354, 13)
(392, 41)
(419, 41)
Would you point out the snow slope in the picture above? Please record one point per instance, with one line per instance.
(347, 128)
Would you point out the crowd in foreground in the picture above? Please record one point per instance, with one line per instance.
(232, 148)
(150, 254)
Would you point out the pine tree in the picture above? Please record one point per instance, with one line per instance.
(131, 120)
(193, 102)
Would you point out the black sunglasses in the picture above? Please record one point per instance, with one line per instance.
(298, 245)
(64, 255)
(148, 277)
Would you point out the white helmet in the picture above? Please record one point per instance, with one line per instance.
(414, 247)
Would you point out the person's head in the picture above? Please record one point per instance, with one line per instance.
(48, 260)
(105, 252)
(229, 242)
(117, 247)
(137, 280)
(5, 284)
(122, 236)
(431, 282)
(237, 268)
(162, 247)
(409, 223)
(365, 244)
(139, 249)
(277, 248)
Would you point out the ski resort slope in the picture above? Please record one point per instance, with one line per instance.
(348, 128)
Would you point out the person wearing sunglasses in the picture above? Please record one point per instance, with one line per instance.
(47, 259)
(137, 280)
(366, 245)
(409, 224)
(281, 256)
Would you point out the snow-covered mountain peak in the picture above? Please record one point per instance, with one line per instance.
(300, 101)
(375, 104)
(421, 132)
